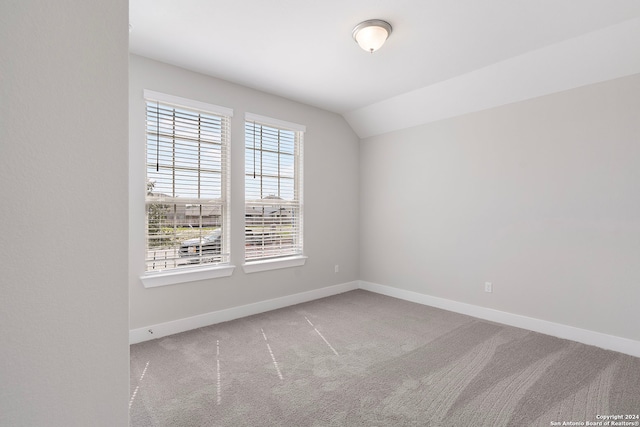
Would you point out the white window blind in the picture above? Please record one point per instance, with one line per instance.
(187, 203)
(273, 188)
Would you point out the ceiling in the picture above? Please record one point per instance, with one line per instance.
(303, 50)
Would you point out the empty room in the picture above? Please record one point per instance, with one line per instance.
(280, 213)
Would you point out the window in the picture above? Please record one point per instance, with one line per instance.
(273, 189)
(187, 187)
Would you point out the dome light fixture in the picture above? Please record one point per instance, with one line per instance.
(371, 34)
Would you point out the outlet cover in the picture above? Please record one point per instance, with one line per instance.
(488, 287)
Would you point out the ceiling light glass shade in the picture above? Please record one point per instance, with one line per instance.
(371, 35)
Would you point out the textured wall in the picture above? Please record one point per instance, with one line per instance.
(539, 197)
(330, 199)
(63, 213)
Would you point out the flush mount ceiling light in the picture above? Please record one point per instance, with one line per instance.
(371, 35)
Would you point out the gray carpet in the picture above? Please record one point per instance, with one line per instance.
(363, 359)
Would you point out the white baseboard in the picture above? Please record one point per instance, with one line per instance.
(609, 342)
(598, 339)
(181, 325)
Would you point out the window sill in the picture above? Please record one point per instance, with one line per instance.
(274, 264)
(151, 280)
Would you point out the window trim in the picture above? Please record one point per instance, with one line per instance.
(153, 279)
(274, 263)
(150, 95)
(285, 261)
(250, 117)
(204, 271)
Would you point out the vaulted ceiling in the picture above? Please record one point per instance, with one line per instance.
(443, 58)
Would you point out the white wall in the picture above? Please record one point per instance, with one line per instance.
(330, 196)
(63, 213)
(541, 198)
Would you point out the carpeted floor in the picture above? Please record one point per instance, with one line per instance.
(363, 359)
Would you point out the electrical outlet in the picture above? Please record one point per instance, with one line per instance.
(336, 269)
(488, 287)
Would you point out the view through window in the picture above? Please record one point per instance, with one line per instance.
(187, 184)
(273, 189)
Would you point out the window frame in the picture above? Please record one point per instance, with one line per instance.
(200, 271)
(286, 260)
